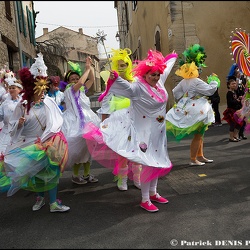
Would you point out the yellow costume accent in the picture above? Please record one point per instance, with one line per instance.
(188, 70)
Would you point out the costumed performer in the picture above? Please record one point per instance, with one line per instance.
(38, 151)
(7, 108)
(55, 92)
(77, 113)
(138, 132)
(4, 93)
(121, 63)
(192, 113)
(4, 74)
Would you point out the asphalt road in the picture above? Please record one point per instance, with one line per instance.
(209, 207)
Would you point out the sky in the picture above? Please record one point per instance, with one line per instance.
(91, 16)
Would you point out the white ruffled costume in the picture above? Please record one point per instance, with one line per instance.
(6, 110)
(193, 113)
(137, 133)
(77, 113)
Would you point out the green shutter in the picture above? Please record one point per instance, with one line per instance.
(32, 19)
(23, 21)
(20, 23)
(29, 23)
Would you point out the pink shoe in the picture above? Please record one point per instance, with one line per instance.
(158, 198)
(149, 206)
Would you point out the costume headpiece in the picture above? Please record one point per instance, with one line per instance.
(232, 70)
(12, 81)
(74, 69)
(155, 61)
(6, 73)
(34, 80)
(194, 60)
(124, 55)
(2, 73)
(39, 72)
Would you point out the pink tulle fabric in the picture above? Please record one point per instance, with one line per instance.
(101, 153)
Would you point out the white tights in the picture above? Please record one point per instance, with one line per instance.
(148, 188)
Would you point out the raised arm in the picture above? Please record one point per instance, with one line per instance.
(88, 74)
(170, 61)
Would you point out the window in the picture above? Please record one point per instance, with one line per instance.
(31, 27)
(21, 21)
(8, 10)
(10, 55)
(158, 41)
(26, 60)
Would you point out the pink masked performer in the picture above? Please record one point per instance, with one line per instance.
(138, 132)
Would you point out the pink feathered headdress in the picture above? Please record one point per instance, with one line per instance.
(155, 61)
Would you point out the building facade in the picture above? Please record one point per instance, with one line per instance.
(17, 34)
(75, 47)
(175, 25)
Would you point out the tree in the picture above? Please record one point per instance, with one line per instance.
(54, 52)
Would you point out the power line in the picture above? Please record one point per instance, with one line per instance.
(76, 26)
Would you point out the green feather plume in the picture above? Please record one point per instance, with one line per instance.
(75, 67)
(194, 53)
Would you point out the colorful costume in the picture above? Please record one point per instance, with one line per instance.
(77, 113)
(6, 110)
(45, 151)
(192, 114)
(4, 73)
(136, 133)
(121, 63)
(38, 151)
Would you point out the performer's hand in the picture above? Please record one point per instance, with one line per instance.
(112, 75)
(88, 62)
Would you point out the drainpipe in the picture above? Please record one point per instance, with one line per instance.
(18, 35)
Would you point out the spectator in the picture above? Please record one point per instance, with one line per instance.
(215, 101)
